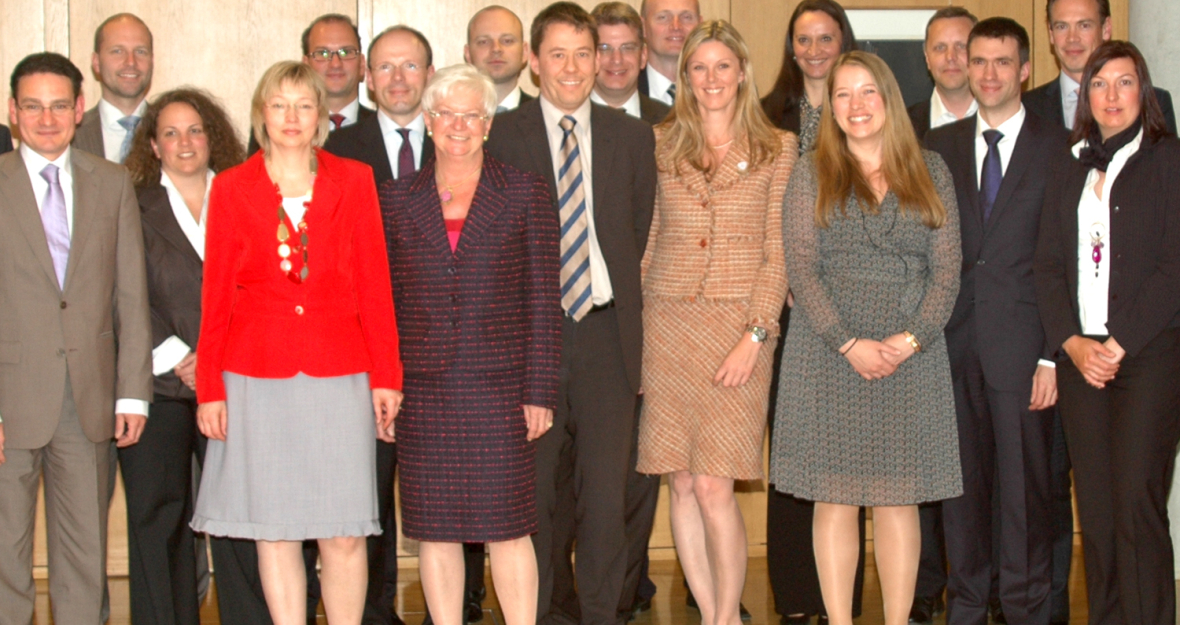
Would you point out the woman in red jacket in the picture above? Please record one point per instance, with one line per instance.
(298, 362)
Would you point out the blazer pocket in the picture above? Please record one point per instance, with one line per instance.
(9, 352)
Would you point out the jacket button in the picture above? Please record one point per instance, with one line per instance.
(60, 352)
(298, 310)
(454, 298)
(451, 271)
(704, 243)
(63, 305)
(1116, 209)
(981, 262)
(454, 323)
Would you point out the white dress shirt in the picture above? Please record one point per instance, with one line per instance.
(1094, 218)
(393, 139)
(34, 163)
(630, 107)
(600, 286)
(657, 86)
(940, 115)
(350, 112)
(112, 133)
(510, 101)
(1069, 98)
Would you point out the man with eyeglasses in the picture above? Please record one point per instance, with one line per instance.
(622, 55)
(666, 24)
(123, 61)
(495, 46)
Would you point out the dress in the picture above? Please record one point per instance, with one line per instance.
(713, 266)
(839, 438)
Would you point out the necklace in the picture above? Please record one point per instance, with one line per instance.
(726, 144)
(287, 247)
(448, 193)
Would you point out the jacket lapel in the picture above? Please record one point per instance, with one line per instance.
(602, 160)
(374, 149)
(1022, 155)
(21, 207)
(157, 214)
(86, 194)
(967, 165)
(425, 211)
(486, 206)
(531, 127)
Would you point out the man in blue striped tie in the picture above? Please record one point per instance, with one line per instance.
(600, 165)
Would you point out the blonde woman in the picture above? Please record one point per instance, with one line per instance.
(714, 284)
(865, 414)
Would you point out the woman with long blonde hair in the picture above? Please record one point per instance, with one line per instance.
(865, 413)
(714, 283)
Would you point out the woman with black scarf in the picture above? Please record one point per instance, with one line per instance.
(1108, 288)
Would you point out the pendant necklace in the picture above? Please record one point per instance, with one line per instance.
(448, 193)
(287, 246)
(1097, 234)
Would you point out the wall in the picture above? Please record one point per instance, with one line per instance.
(225, 49)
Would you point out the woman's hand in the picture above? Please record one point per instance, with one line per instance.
(187, 371)
(735, 370)
(873, 360)
(211, 420)
(386, 404)
(1097, 362)
(538, 419)
(898, 343)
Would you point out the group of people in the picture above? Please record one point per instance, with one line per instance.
(631, 275)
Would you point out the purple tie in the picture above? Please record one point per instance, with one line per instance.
(405, 155)
(53, 219)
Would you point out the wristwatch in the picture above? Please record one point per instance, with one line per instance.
(757, 333)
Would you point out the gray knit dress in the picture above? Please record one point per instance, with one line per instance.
(839, 438)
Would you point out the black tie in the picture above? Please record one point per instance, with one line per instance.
(993, 173)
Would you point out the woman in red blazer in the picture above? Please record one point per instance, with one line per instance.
(297, 365)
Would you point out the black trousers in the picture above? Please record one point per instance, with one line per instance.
(1062, 494)
(590, 444)
(157, 479)
(1122, 442)
(790, 556)
(1005, 450)
(932, 565)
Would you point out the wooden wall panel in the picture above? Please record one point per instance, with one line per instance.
(28, 26)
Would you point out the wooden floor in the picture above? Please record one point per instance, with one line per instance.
(667, 609)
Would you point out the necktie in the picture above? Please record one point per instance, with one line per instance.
(405, 156)
(575, 228)
(53, 219)
(129, 124)
(672, 92)
(337, 120)
(1070, 108)
(993, 173)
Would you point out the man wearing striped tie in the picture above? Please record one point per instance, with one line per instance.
(122, 61)
(600, 165)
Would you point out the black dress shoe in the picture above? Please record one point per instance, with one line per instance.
(795, 619)
(473, 605)
(997, 612)
(426, 620)
(926, 608)
(691, 602)
(640, 606)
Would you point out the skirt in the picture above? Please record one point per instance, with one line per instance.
(298, 461)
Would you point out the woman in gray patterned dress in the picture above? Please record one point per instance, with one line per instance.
(865, 412)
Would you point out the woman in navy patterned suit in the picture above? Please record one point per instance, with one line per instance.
(473, 253)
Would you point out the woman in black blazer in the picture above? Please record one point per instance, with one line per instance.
(1108, 287)
(183, 139)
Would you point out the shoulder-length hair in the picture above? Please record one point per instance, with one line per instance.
(1155, 126)
(225, 150)
(788, 87)
(902, 164)
(684, 138)
(279, 75)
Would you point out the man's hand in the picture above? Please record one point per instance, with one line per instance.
(128, 429)
(1044, 388)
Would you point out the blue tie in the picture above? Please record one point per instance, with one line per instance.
(129, 124)
(993, 173)
(575, 228)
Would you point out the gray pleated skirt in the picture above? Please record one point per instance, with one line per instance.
(298, 461)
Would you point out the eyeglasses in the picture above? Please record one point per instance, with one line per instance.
(449, 117)
(36, 108)
(324, 55)
(627, 49)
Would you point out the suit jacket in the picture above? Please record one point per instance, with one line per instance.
(494, 303)
(920, 117)
(98, 327)
(88, 136)
(363, 142)
(5, 140)
(624, 188)
(257, 322)
(997, 302)
(174, 282)
(1046, 102)
(363, 112)
(652, 111)
(787, 119)
(1144, 291)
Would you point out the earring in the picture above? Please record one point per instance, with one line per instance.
(429, 133)
(485, 138)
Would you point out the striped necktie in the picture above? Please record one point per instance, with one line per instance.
(575, 227)
(129, 123)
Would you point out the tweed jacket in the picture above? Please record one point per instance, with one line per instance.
(721, 239)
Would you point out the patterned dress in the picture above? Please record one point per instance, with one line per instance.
(839, 438)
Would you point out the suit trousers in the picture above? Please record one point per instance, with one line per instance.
(76, 471)
(382, 588)
(592, 432)
(157, 479)
(1004, 449)
(932, 565)
(1122, 442)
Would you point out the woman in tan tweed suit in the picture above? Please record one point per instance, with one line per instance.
(714, 285)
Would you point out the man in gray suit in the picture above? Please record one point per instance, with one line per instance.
(75, 342)
(122, 62)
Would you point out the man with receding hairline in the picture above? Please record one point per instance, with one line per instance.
(495, 46)
(945, 50)
(666, 24)
(123, 61)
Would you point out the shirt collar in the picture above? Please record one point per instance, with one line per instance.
(939, 110)
(553, 115)
(34, 162)
(1068, 85)
(167, 183)
(657, 83)
(1123, 153)
(388, 126)
(511, 101)
(110, 115)
(1009, 128)
(630, 107)
(350, 111)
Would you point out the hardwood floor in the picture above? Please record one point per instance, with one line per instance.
(667, 608)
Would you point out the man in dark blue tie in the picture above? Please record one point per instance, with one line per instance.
(1003, 372)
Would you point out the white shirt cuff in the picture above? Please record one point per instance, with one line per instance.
(1046, 363)
(131, 406)
(168, 354)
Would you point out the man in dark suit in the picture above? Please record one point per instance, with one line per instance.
(495, 46)
(75, 342)
(1002, 370)
(666, 23)
(123, 62)
(622, 57)
(393, 142)
(5, 140)
(946, 59)
(1076, 29)
(600, 165)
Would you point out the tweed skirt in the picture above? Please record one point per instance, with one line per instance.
(298, 461)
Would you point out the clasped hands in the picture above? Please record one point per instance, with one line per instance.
(1098, 362)
(875, 360)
